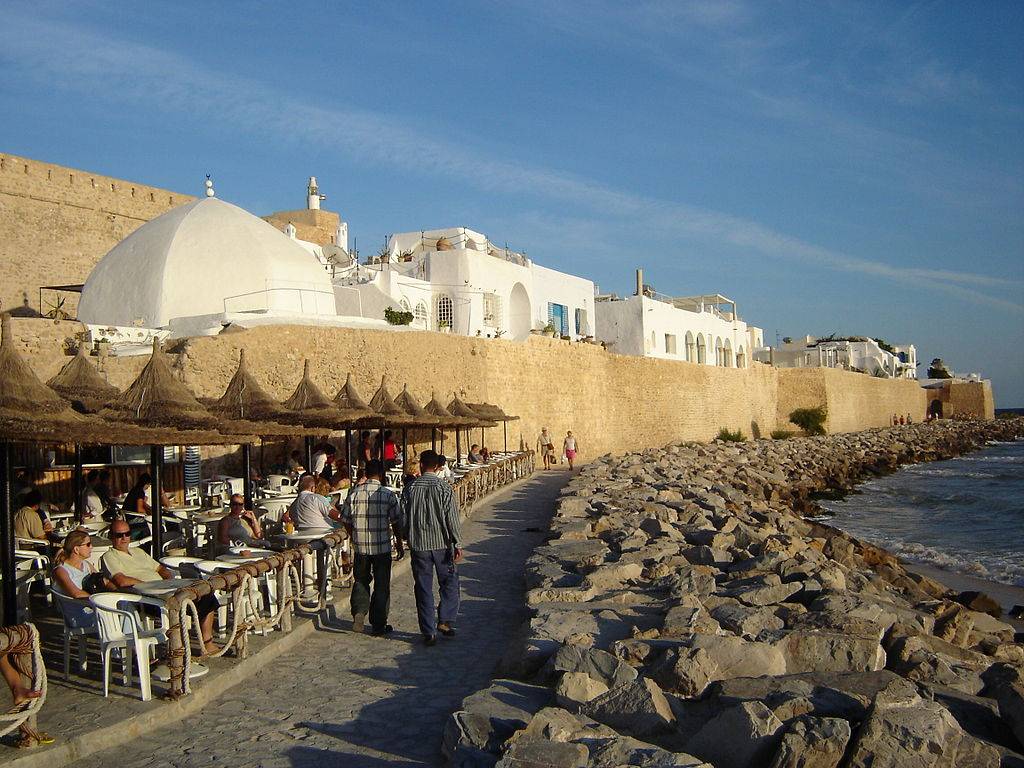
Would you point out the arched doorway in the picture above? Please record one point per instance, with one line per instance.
(702, 349)
(935, 409)
(727, 354)
(520, 314)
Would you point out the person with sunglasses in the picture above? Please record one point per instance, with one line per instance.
(127, 566)
(72, 570)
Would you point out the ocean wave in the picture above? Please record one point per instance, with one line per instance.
(947, 472)
(991, 568)
(995, 459)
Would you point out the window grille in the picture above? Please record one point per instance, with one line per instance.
(420, 314)
(492, 310)
(445, 312)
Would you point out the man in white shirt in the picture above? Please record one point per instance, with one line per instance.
(319, 461)
(310, 511)
(546, 447)
(91, 507)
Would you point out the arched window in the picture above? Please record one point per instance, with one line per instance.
(691, 348)
(727, 354)
(718, 351)
(445, 313)
(420, 314)
(404, 304)
(702, 349)
(741, 358)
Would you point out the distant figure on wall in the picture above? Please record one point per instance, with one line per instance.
(546, 447)
(570, 448)
(902, 422)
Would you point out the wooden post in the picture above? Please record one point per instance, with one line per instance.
(76, 481)
(10, 586)
(247, 475)
(156, 459)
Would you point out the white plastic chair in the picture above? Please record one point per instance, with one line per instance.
(211, 567)
(79, 622)
(122, 629)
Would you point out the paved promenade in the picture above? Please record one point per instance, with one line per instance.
(355, 700)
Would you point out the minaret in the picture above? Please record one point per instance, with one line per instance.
(313, 196)
(341, 236)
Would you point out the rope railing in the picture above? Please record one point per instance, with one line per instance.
(241, 582)
(21, 643)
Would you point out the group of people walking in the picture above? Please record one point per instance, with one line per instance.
(426, 519)
(546, 448)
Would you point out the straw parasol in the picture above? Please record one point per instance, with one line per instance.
(459, 408)
(81, 384)
(407, 403)
(349, 399)
(436, 408)
(32, 412)
(310, 407)
(492, 412)
(246, 406)
(387, 411)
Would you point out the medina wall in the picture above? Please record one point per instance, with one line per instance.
(57, 222)
(613, 403)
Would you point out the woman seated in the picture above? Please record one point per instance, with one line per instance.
(240, 528)
(474, 456)
(73, 572)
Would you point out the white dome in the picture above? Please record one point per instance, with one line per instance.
(204, 258)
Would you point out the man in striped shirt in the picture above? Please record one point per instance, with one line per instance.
(433, 532)
(371, 511)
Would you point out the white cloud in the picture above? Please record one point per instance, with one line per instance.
(139, 76)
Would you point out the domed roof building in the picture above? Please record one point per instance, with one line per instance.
(203, 261)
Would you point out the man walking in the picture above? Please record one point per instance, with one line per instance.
(371, 511)
(433, 533)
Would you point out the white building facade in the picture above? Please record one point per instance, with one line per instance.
(456, 281)
(701, 329)
(859, 354)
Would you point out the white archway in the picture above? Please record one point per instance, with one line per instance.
(727, 354)
(691, 348)
(702, 349)
(718, 351)
(520, 313)
(741, 357)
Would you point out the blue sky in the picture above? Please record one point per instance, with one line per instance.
(834, 167)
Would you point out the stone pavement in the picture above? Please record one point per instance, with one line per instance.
(355, 700)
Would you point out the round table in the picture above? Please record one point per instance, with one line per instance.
(161, 587)
(257, 554)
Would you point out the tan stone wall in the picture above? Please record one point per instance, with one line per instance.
(971, 398)
(320, 227)
(57, 222)
(614, 403)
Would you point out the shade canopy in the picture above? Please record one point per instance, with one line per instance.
(388, 412)
(447, 419)
(458, 408)
(81, 384)
(309, 406)
(349, 399)
(492, 412)
(246, 406)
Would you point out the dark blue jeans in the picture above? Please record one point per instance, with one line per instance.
(425, 563)
(375, 569)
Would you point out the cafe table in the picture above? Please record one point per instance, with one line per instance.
(162, 589)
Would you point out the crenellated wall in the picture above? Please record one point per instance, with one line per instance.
(614, 403)
(57, 222)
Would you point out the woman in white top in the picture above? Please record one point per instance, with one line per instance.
(73, 564)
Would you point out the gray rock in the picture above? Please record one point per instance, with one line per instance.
(806, 651)
(576, 688)
(736, 657)
(684, 671)
(638, 708)
(746, 620)
(1006, 686)
(742, 735)
(813, 742)
(623, 750)
(613, 575)
(903, 730)
(538, 753)
(688, 618)
(474, 734)
(928, 659)
(599, 665)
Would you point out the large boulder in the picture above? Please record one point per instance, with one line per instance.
(576, 688)
(806, 651)
(741, 736)
(736, 657)
(903, 730)
(597, 664)
(625, 751)
(475, 733)
(813, 742)
(540, 753)
(1005, 684)
(745, 620)
(638, 708)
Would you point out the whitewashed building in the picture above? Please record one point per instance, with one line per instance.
(699, 329)
(456, 280)
(858, 353)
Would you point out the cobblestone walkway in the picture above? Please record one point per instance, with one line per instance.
(355, 700)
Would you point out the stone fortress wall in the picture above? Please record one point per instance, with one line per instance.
(56, 223)
(614, 403)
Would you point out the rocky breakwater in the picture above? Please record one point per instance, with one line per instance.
(686, 614)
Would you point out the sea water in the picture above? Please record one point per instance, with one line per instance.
(964, 514)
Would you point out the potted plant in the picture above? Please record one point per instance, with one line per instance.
(549, 330)
(444, 326)
(397, 316)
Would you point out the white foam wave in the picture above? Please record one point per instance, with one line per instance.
(995, 459)
(994, 569)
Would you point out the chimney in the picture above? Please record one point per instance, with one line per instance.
(639, 282)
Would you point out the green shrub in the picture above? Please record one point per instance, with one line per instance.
(397, 316)
(783, 434)
(731, 437)
(810, 420)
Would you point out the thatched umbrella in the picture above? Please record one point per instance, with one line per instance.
(407, 403)
(81, 384)
(494, 413)
(447, 419)
(458, 408)
(157, 399)
(389, 413)
(308, 406)
(349, 400)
